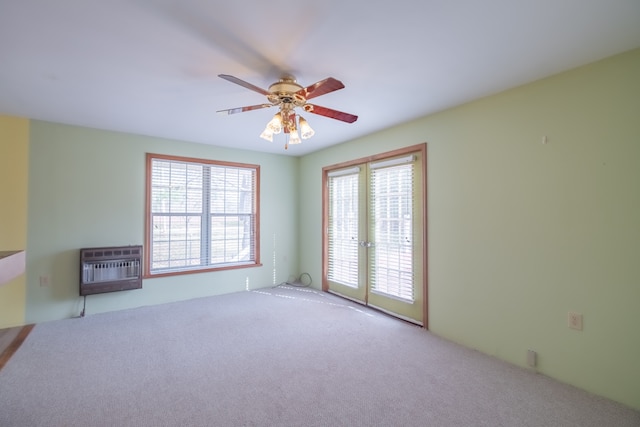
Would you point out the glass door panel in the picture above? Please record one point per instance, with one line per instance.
(344, 230)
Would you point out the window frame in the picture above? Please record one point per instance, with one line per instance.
(147, 272)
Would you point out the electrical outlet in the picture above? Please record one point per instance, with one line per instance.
(575, 321)
(532, 358)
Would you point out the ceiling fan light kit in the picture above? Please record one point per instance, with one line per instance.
(287, 95)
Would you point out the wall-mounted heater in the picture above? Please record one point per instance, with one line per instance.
(110, 269)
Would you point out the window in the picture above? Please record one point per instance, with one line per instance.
(343, 226)
(389, 237)
(392, 218)
(201, 215)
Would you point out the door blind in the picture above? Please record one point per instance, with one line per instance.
(391, 228)
(343, 227)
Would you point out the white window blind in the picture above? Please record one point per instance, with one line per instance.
(391, 221)
(202, 215)
(342, 172)
(343, 227)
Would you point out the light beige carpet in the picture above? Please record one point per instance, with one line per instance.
(275, 357)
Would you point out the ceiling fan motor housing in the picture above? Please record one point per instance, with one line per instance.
(286, 91)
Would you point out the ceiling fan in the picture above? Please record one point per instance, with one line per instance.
(287, 95)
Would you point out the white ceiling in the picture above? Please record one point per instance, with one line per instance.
(150, 66)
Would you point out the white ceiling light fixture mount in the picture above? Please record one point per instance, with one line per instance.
(287, 95)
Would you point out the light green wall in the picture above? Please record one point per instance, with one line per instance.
(86, 189)
(14, 160)
(520, 232)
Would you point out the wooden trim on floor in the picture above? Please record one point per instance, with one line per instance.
(15, 344)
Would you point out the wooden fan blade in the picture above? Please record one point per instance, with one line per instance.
(321, 88)
(328, 112)
(244, 84)
(243, 109)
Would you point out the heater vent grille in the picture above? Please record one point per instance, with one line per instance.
(110, 269)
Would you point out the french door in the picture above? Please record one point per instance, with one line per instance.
(375, 227)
